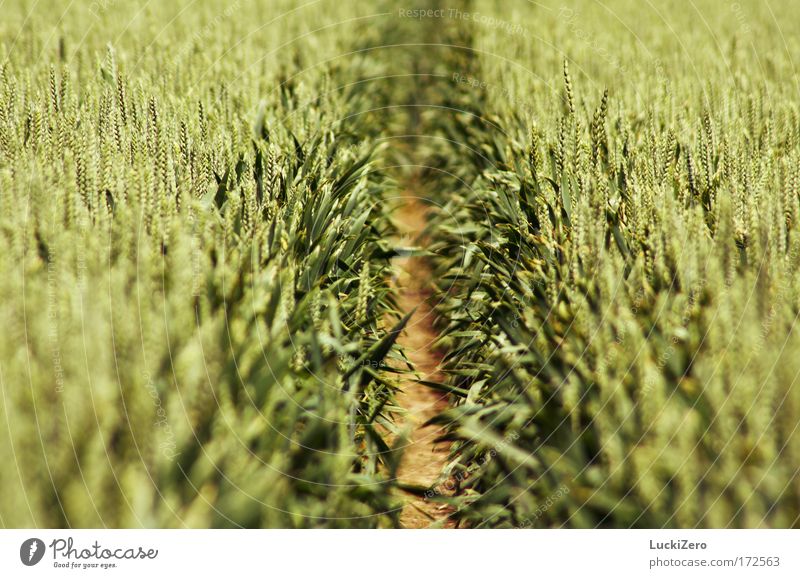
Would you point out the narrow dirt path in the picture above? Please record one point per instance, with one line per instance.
(423, 458)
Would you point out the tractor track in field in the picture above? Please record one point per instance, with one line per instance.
(423, 457)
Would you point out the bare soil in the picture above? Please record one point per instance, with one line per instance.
(423, 458)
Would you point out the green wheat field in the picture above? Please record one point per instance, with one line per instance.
(199, 246)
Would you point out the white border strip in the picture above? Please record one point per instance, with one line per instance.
(402, 554)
